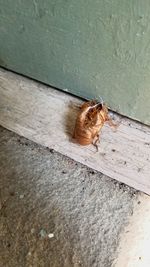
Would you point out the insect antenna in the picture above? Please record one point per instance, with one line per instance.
(101, 101)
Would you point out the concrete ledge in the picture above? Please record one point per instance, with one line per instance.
(47, 116)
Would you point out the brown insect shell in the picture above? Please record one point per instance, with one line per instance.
(99, 118)
(89, 122)
(104, 113)
(88, 104)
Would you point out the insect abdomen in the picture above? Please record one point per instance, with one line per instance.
(82, 136)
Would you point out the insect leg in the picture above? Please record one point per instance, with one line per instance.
(112, 124)
(97, 140)
(76, 106)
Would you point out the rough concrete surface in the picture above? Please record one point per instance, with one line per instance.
(42, 193)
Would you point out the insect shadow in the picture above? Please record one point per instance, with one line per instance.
(70, 119)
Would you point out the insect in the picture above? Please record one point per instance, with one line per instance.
(89, 122)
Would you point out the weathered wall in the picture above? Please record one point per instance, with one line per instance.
(90, 48)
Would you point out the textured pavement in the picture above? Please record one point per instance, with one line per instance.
(56, 212)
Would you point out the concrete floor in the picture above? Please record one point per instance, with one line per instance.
(56, 212)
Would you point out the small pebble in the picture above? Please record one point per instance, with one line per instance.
(51, 235)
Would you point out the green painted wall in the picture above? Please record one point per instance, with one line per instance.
(91, 48)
